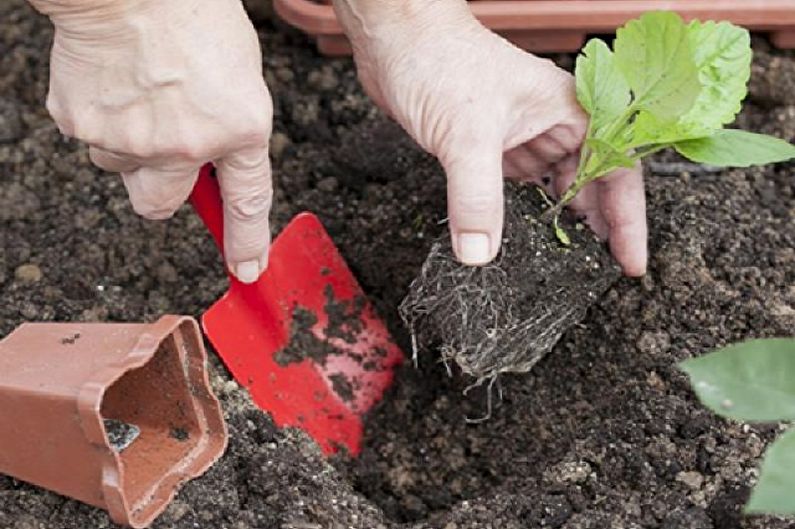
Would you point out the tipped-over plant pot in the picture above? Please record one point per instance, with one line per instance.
(115, 415)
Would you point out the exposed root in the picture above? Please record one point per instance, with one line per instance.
(473, 312)
(505, 316)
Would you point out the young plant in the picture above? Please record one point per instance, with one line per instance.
(754, 381)
(667, 84)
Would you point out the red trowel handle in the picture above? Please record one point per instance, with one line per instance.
(206, 200)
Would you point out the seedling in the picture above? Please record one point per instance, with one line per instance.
(666, 84)
(755, 382)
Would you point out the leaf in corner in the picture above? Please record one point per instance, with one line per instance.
(736, 148)
(773, 491)
(654, 54)
(749, 381)
(601, 88)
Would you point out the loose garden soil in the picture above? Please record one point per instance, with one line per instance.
(602, 433)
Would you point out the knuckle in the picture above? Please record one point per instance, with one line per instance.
(477, 205)
(257, 135)
(256, 129)
(75, 123)
(136, 145)
(253, 164)
(84, 131)
(252, 205)
(184, 149)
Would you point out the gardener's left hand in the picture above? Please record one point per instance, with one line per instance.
(487, 110)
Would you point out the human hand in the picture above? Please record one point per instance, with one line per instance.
(488, 111)
(157, 88)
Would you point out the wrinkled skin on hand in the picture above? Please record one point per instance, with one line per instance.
(488, 111)
(157, 88)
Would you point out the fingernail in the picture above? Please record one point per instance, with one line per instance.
(474, 248)
(247, 272)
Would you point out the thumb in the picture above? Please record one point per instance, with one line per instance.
(475, 202)
(245, 180)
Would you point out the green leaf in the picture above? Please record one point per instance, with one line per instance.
(773, 492)
(736, 148)
(601, 88)
(654, 54)
(607, 151)
(723, 56)
(750, 381)
(649, 130)
(561, 234)
(722, 53)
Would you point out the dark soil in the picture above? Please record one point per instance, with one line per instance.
(303, 343)
(602, 433)
(504, 317)
(343, 322)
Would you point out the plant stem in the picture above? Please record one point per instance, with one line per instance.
(553, 212)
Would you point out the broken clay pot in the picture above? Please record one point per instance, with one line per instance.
(115, 415)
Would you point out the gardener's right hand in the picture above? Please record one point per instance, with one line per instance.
(487, 110)
(157, 88)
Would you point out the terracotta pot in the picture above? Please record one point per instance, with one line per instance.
(562, 25)
(114, 415)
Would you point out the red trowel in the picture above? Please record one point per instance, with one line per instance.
(256, 330)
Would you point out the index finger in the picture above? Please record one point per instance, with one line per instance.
(245, 180)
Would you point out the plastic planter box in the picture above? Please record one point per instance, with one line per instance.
(562, 25)
(114, 415)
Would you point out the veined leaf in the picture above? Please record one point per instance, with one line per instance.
(647, 129)
(654, 54)
(750, 381)
(736, 148)
(773, 492)
(722, 52)
(601, 88)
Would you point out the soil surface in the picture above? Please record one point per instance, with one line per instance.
(602, 433)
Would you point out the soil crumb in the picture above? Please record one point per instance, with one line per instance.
(303, 342)
(344, 316)
(342, 386)
(180, 434)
